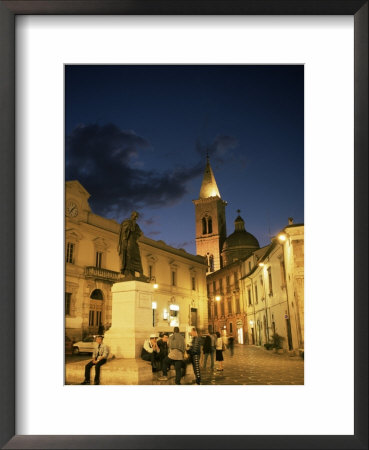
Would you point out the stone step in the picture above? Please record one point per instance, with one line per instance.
(116, 372)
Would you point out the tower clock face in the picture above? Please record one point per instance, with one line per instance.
(72, 209)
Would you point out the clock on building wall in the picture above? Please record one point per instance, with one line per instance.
(71, 209)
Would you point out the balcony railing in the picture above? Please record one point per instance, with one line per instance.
(104, 274)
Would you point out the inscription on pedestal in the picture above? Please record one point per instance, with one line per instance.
(144, 300)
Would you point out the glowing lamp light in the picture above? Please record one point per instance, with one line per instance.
(217, 298)
(282, 237)
(154, 305)
(251, 323)
(155, 286)
(174, 307)
(165, 314)
(261, 264)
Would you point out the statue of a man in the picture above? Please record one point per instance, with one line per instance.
(128, 249)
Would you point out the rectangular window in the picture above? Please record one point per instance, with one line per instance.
(230, 327)
(91, 318)
(70, 252)
(228, 284)
(150, 272)
(256, 295)
(235, 280)
(193, 284)
(249, 296)
(174, 278)
(98, 318)
(68, 297)
(222, 307)
(229, 306)
(214, 288)
(221, 286)
(270, 281)
(209, 310)
(237, 305)
(283, 278)
(98, 259)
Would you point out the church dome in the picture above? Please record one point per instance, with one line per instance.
(239, 244)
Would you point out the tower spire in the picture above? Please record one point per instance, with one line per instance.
(209, 186)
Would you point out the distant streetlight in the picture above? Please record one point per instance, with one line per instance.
(261, 264)
(218, 298)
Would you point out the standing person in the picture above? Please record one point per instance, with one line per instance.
(163, 346)
(176, 346)
(231, 344)
(99, 357)
(129, 252)
(219, 348)
(150, 352)
(195, 351)
(214, 338)
(207, 350)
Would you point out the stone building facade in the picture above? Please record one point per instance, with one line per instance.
(92, 266)
(273, 290)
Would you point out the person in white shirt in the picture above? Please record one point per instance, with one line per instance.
(219, 347)
(150, 352)
(99, 357)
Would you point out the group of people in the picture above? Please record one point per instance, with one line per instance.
(166, 351)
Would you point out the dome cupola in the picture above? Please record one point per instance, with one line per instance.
(239, 244)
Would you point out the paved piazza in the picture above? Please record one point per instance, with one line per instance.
(249, 365)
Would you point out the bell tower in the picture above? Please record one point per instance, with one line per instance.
(210, 220)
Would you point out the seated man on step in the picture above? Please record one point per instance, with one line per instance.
(151, 352)
(99, 357)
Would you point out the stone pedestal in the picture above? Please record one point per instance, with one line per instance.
(131, 318)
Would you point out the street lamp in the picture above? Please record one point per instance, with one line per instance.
(155, 285)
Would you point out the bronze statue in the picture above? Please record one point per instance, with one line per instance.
(128, 249)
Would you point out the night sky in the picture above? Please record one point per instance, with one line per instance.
(137, 138)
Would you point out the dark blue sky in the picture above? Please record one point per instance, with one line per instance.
(137, 137)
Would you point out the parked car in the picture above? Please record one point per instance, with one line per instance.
(87, 345)
(68, 345)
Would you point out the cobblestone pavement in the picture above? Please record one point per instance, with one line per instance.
(249, 365)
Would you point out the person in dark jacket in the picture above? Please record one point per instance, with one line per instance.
(231, 344)
(207, 350)
(195, 351)
(163, 346)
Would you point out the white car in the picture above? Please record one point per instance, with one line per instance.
(87, 345)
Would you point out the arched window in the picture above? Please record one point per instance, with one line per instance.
(97, 295)
(210, 225)
(203, 225)
(95, 312)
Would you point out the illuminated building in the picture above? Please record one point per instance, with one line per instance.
(92, 267)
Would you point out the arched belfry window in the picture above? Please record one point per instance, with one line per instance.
(203, 225)
(210, 225)
(207, 225)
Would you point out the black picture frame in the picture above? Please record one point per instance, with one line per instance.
(8, 11)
